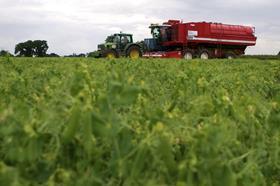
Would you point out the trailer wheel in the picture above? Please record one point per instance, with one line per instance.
(188, 55)
(110, 54)
(134, 52)
(204, 54)
(230, 55)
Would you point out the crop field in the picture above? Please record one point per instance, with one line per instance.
(89, 122)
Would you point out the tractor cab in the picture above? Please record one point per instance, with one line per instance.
(121, 40)
(117, 41)
(165, 36)
(161, 33)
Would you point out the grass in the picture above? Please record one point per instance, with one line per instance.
(151, 122)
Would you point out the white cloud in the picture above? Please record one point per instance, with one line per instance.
(79, 25)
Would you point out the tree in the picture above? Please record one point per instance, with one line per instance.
(76, 55)
(40, 48)
(30, 48)
(25, 49)
(5, 53)
(94, 54)
(81, 55)
(52, 55)
(278, 53)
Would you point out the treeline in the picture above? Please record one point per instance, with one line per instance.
(37, 48)
(4, 53)
(262, 57)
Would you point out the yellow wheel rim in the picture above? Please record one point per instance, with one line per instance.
(111, 56)
(134, 54)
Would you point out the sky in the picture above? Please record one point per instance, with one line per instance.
(77, 26)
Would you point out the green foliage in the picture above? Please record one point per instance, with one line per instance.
(40, 48)
(52, 55)
(262, 57)
(37, 48)
(94, 54)
(5, 53)
(147, 122)
(76, 55)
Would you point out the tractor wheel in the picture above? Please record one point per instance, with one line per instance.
(110, 54)
(204, 54)
(230, 55)
(134, 52)
(188, 55)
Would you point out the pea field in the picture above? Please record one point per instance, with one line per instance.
(147, 122)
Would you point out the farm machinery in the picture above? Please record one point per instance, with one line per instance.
(175, 39)
(120, 45)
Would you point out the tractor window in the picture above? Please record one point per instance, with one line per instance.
(117, 39)
(126, 39)
(156, 32)
(162, 33)
(169, 34)
(166, 34)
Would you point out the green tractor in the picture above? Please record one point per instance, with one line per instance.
(120, 45)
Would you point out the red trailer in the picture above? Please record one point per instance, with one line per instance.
(175, 39)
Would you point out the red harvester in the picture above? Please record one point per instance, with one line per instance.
(175, 39)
